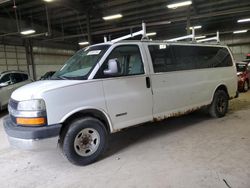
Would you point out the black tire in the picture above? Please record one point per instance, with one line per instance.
(74, 152)
(219, 107)
(245, 86)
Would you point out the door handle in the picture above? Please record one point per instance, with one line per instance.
(148, 84)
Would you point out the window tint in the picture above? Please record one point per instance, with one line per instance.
(16, 78)
(198, 57)
(161, 58)
(177, 57)
(129, 61)
(5, 78)
(25, 77)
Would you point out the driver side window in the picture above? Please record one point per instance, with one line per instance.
(129, 61)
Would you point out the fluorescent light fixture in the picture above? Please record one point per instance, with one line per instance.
(196, 27)
(240, 31)
(180, 4)
(28, 32)
(112, 17)
(83, 43)
(151, 34)
(244, 20)
(48, 1)
(200, 37)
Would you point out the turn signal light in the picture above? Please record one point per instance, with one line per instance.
(30, 121)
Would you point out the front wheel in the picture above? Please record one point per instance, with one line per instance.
(84, 141)
(219, 106)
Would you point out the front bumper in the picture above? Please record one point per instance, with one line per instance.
(31, 138)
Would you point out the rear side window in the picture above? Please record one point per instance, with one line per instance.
(25, 77)
(162, 58)
(198, 57)
(178, 58)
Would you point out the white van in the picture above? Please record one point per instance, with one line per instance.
(111, 86)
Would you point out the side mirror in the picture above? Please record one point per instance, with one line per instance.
(112, 67)
(4, 84)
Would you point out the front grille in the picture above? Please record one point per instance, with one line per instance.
(13, 104)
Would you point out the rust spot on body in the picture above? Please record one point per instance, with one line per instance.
(176, 114)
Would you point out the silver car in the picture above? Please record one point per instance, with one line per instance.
(10, 81)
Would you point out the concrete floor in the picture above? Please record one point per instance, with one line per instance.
(190, 151)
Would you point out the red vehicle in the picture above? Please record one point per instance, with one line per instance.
(243, 73)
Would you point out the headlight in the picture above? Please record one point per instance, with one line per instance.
(31, 105)
(29, 113)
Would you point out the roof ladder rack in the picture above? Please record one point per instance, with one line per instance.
(131, 35)
(192, 36)
(216, 38)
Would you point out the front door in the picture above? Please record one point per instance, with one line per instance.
(128, 94)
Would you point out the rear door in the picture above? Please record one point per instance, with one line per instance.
(128, 95)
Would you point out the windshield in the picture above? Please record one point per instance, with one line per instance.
(80, 65)
(241, 67)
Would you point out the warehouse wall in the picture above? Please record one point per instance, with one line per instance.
(12, 58)
(45, 59)
(240, 51)
(48, 59)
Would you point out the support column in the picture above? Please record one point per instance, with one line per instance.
(188, 20)
(30, 57)
(88, 28)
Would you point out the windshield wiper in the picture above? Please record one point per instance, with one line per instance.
(58, 77)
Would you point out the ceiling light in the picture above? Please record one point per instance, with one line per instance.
(112, 17)
(48, 0)
(244, 20)
(83, 43)
(180, 4)
(195, 27)
(151, 34)
(200, 37)
(240, 31)
(28, 32)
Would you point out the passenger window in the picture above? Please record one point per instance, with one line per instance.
(25, 77)
(129, 61)
(161, 58)
(16, 78)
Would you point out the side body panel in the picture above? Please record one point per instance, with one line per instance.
(178, 92)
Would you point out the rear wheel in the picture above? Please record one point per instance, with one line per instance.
(219, 107)
(84, 141)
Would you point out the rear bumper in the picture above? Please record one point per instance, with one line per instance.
(31, 138)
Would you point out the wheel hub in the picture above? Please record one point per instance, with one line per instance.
(86, 142)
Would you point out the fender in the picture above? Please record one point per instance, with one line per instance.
(110, 125)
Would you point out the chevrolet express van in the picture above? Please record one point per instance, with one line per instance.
(107, 87)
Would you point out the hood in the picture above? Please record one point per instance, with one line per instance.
(36, 89)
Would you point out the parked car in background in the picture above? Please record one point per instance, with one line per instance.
(243, 73)
(47, 75)
(10, 81)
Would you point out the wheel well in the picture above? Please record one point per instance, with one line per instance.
(90, 113)
(223, 88)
